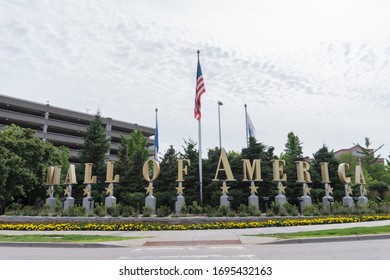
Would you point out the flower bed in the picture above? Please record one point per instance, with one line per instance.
(149, 226)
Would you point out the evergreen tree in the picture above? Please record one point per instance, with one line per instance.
(132, 155)
(166, 183)
(96, 146)
(254, 150)
(292, 153)
(211, 190)
(324, 155)
(192, 192)
(257, 150)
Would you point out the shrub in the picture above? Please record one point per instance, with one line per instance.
(74, 211)
(270, 213)
(100, 210)
(29, 211)
(163, 211)
(242, 210)
(44, 211)
(310, 210)
(195, 208)
(275, 208)
(147, 211)
(290, 209)
(209, 211)
(224, 210)
(13, 209)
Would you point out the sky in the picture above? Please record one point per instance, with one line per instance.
(320, 69)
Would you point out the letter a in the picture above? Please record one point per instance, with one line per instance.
(224, 160)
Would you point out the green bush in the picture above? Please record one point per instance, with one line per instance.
(147, 211)
(195, 208)
(74, 211)
(44, 211)
(290, 209)
(253, 211)
(163, 211)
(310, 210)
(275, 208)
(242, 210)
(100, 210)
(29, 211)
(223, 210)
(209, 211)
(13, 209)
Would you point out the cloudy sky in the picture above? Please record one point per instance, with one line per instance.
(318, 68)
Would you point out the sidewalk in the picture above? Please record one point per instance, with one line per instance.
(199, 237)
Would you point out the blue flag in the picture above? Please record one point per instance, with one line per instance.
(250, 128)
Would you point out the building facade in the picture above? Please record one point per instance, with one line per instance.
(357, 152)
(63, 127)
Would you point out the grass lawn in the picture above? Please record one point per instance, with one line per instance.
(331, 232)
(75, 238)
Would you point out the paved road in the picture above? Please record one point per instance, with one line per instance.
(350, 250)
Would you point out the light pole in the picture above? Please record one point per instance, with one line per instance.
(219, 122)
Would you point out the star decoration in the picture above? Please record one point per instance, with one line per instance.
(149, 189)
(329, 189)
(348, 190)
(67, 191)
(87, 191)
(253, 188)
(180, 189)
(281, 189)
(48, 191)
(306, 190)
(110, 190)
(364, 191)
(224, 188)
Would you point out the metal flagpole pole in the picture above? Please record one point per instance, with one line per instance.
(246, 127)
(156, 140)
(200, 156)
(200, 163)
(219, 123)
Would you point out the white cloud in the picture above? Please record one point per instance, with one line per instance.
(299, 65)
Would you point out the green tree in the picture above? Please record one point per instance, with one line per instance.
(132, 154)
(351, 160)
(368, 157)
(292, 153)
(166, 183)
(209, 168)
(192, 179)
(324, 155)
(63, 154)
(23, 165)
(95, 147)
(254, 150)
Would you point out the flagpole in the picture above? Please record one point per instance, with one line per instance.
(200, 156)
(246, 126)
(200, 163)
(156, 143)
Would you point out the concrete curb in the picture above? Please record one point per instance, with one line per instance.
(329, 239)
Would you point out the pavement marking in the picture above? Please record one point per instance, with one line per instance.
(192, 243)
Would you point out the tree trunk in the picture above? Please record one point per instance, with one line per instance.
(3, 203)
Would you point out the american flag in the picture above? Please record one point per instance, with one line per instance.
(200, 89)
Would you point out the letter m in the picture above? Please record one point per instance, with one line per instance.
(53, 175)
(252, 172)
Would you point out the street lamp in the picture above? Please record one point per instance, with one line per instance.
(219, 122)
